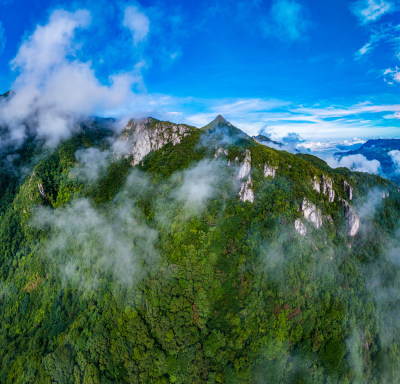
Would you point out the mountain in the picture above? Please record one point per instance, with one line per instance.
(171, 254)
(267, 141)
(379, 149)
(7, 94)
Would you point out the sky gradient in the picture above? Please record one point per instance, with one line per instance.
(323, 70)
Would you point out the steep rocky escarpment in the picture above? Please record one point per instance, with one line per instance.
(246, 193)
(146, 135)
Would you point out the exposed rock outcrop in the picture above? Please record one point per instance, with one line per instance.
(325, 185)
(316, 184)
(348, 190)
(246, 193)
(312, 214)
(41, 190)
(220, 151)
(245, 168)
(327, 188)
(300, 227)
(269, 171)
(352, 220)
(149, 134)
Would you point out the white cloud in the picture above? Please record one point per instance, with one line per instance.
(357, 163)
(371, 10)
(381, 34)
(327, 147)
(54, 89)
(395, 155)
(50, 44)
(3, 39)
(392, 76)
(87, 242)
(199, 184)
(288, 20)
(363, 51)
(92, 163)
(341, 111)
(137, 22)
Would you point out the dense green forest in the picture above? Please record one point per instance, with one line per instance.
(161, 273)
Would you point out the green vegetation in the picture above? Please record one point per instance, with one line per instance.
(128, 279)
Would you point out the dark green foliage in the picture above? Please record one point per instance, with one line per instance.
(235, 294)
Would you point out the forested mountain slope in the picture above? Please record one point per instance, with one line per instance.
(170, 254)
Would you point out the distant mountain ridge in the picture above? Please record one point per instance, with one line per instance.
(378, 149)
(262, 139)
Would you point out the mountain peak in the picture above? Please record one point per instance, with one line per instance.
(262, 139)
(218, 121)
(7, 94)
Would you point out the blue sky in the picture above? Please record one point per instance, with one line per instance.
(326, 70)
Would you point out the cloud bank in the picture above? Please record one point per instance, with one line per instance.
(358, 163)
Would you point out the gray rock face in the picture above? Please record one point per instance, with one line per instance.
(325, 185)
(246, 193)
(348, 190)
(316, 184)
(148, 135)
(300, 227)
(245, 168)
(327, 188)
(352, 220)
(220, 151)
(269, 171)
(312, 214)
(41, 190)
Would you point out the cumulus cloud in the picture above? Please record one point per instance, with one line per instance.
(3, 39)
(395, 156)
(371, 10)
(357, 163)
(54, 90)
(291, 141)
(288, 20)
(49, 45)
(137, 22)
